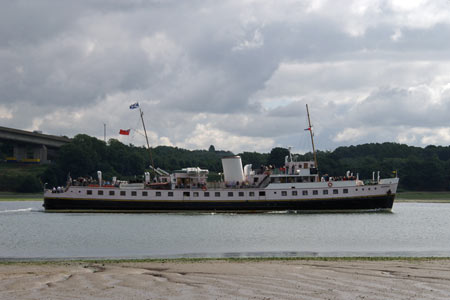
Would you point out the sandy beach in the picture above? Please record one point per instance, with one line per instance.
(222, 279)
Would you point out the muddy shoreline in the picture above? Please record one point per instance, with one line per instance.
(228, 279)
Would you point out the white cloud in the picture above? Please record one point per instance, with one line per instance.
(437, 136)
(426, 136)
(159, 47)
(256, 41)
(205, 135)
(5, 113)
(397, 35)
(350, 134)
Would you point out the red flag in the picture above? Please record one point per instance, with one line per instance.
(124, 132)
(309, 128)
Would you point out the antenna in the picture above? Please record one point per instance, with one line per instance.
(104, 131)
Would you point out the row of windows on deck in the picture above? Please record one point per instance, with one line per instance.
(230, 194)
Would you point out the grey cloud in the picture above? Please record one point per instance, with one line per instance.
(398, 106)
(223, 61)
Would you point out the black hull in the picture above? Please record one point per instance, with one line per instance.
(383, 202)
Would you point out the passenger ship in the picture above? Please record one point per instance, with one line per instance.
(295, 187)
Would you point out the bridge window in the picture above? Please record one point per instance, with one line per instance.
(123, 193)
(133, 193)
(325, 192)
(315, 192)
(262, 194)
(145, 194)
(230, 194)
(158, 194)
(195, 194)
(305, 193)
(206, 194)
(294, 193)
(345, 191)
(170, 194)
(111, 193)
(100, 192)
(217, 194)
(283, 193)
(89, 192)
(241, 194)
(251, 194)
(335, 191)
(186, 194)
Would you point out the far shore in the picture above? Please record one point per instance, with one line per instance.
(304, 278)
(10, 196)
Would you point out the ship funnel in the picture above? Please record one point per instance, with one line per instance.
(99, 174)
(232, 169)
(147, 177)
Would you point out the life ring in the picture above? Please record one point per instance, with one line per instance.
(330, 184)
(204, 187)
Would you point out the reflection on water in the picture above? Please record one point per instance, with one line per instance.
(412, 229)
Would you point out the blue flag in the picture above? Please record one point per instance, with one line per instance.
(135, 105)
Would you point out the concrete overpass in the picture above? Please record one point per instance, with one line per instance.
(31, 147)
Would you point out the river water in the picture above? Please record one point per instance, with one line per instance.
(412, 229)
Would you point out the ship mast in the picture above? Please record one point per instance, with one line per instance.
(312, 138)
(146, 138)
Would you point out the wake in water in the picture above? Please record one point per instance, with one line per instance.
(29, 209)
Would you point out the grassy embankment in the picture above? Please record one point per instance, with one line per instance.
(440, 197)
(8, 196)
(20, 181)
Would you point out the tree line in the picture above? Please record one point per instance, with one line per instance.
(424, 169)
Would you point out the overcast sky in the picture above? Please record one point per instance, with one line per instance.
(235, 74)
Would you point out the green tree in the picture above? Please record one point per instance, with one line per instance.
(277, 157)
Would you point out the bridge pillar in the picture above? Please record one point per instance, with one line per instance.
(30, 153)
(41, 153)
(19, 152)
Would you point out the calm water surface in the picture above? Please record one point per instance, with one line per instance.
(413, 229)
